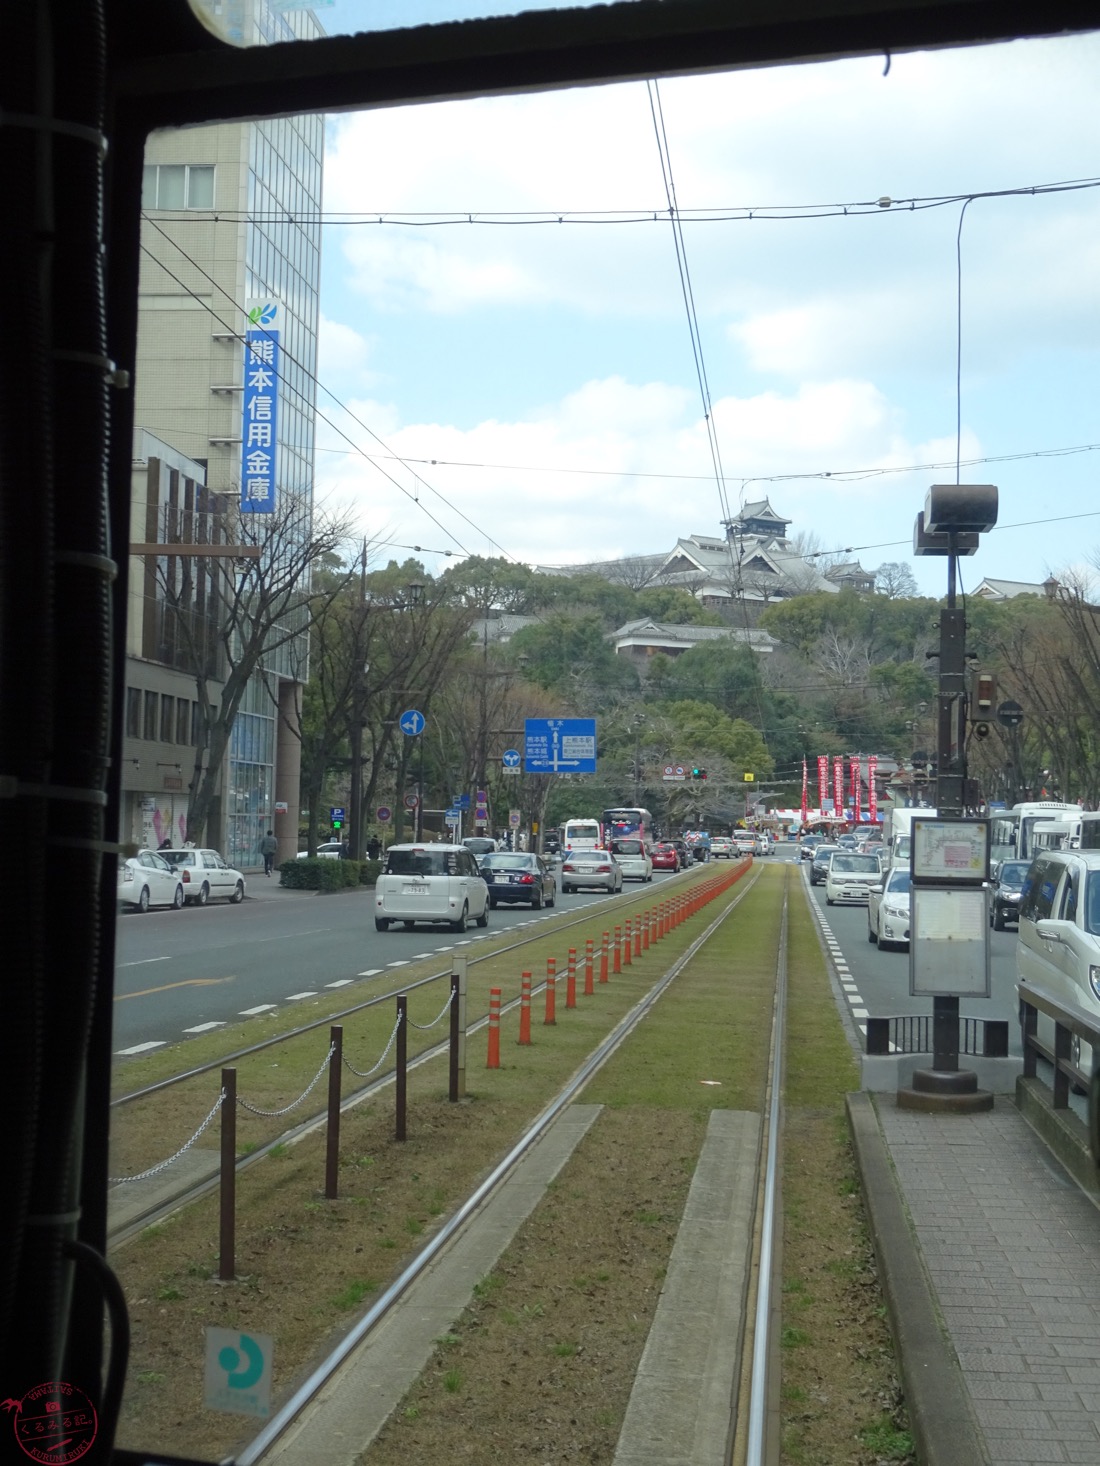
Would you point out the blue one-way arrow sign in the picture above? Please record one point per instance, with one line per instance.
(412, 722)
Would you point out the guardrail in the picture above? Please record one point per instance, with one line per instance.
(1047, 1106)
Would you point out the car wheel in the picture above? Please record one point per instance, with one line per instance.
(143, 900)
(177, 899)
(459, 924)
(553, 898)
(408, 925)
(238, 893)
(483, 919)
(204, 895)
(566, 890)
(536, 901)
(492, 905)
(998, 921)
(872, 936)
(381, 924)
(828, 900)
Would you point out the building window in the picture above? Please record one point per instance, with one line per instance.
(177, 186)
(183, 720)
(133, 712)
(149, 721)
(196, 726)
(167, 717)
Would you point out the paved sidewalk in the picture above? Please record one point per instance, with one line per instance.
(1010, 1247)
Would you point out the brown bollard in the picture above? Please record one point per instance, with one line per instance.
(589, 986)
(525, 1009)
(493, 1060)
(617, 957)
(401, 1067)
(628, 942)
(551, 990)
(332, 1130)
(227, 1200)
(647, 922)
(603, 957)
(571, 981)
(638, 935)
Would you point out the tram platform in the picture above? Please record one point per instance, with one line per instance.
(990, 1257)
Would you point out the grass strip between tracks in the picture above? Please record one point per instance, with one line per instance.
(305, 1264)
(841, 1400)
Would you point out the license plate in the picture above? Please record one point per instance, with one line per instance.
(415, 890)
(585, 870)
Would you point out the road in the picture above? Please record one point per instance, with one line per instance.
(184, 972)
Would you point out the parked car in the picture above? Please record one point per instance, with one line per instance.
(582, 868)
(721, 847)
(888, 909)
(633, 859)
(518, 876)
(205, 876)
(819, 864)
(146, 879)
(329, 850)
(850, 877)
(666, 856)
(432, 883)
(1059, 946)
(1005, 891)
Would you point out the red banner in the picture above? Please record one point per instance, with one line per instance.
(853, 766)
(872, 796)
(822, 780)
(838, 785)
(804, 804)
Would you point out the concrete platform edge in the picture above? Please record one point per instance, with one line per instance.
(945, 1428)
(1061, 1132)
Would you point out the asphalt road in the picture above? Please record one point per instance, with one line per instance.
(178, 972)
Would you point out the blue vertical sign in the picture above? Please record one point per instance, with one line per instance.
(259, 415)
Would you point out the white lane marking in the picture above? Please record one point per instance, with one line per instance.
(145, 1047)
(402, 963)
(262, 1008)
(371, 972)
(420, 956)
(203, 1027)
(342, 982)
(860, 1013)
(442, 949)
(293, 998)
(144, 962)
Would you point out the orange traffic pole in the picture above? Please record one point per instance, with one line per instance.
(603, 957)
(628, 943)
(589, 989)
(525, 1009)
(493, 1061)
(617, 957)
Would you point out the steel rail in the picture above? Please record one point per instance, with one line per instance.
(310, 1387)
(267, 1043)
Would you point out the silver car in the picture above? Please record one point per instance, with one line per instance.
(888, 909)
(590, 868)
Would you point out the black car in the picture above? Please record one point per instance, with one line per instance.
(819, 863)
(518, 877)
(1004, 893)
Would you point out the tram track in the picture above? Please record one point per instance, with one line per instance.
(464, 1218)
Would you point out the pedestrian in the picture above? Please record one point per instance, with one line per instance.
(268, 847)
(374, 848)
(165, 844)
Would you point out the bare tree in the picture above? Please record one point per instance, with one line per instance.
(896, 581)
(262, 605)
(633, 571)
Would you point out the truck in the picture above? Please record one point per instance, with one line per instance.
(897, 830)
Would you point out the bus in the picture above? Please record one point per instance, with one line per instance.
(628, 824)
(581, 835)
(1012, 834)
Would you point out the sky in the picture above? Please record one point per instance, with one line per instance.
(528, 387)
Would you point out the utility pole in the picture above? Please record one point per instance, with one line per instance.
(358, 720)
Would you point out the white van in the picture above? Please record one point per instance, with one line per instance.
(1059, 945)
(435, 883)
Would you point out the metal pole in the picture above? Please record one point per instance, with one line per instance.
(453, 1077)
(332, 1138)
(420, 791)
(228, 1190)
(402, 1064)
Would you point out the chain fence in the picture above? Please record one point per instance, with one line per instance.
(155, 1170)
(366, 1073)
(286, 1109)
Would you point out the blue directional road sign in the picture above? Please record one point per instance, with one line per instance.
(460, 801)
(510, 758)
(412, 722)
(560, 745)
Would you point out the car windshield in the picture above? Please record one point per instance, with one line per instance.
(420, 863)
(854, 864)
(508, 862)
(823, 853)
(900, 880)
(626, 847)
(1012, 873)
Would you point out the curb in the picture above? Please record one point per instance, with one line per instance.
(945, 1428)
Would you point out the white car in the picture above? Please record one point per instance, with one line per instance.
(436, 883)
(205, 876)
(721, 847)
(1059, 945)
(633, 860)
(888, 909)
(330, 850)
(850, 877)
(146, 879)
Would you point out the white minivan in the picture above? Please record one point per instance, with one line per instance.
(433, 883)
(1059, 944)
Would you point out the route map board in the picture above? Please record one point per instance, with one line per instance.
(560, 745)
(950, 850)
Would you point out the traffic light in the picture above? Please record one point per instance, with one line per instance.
(981, 703)
(698, 773)
(695, 773)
